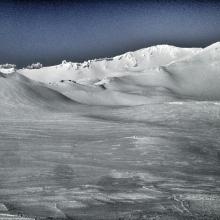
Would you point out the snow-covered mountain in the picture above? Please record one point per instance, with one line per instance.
(126, 64)
(155, 74)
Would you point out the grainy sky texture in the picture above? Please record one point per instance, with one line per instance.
(50, 31)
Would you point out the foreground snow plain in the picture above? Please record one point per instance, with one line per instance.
(132, 137)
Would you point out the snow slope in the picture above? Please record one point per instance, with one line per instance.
(19, 92)
(197, 76)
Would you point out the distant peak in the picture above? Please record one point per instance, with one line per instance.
(213, 46)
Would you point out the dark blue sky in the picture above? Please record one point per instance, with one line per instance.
(50, 31)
